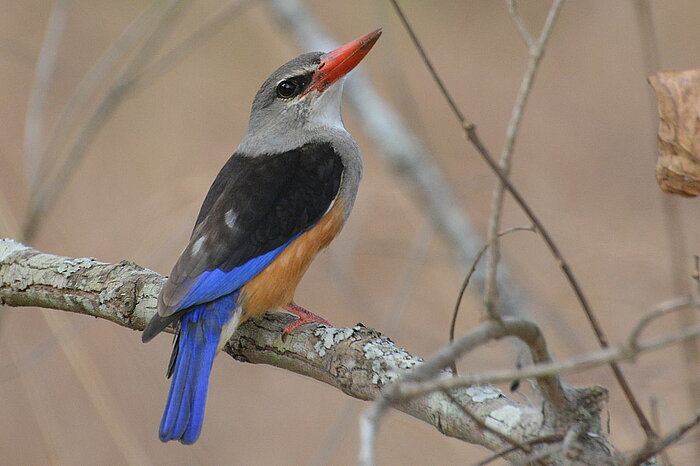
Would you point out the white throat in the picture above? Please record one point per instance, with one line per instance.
(325, 112)
(295, 126)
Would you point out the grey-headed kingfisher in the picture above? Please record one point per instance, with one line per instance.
(280, 199)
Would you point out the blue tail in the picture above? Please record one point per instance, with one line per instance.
(200, 329)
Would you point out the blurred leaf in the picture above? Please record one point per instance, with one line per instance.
(678, 166)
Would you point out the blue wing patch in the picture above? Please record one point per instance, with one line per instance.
(213, 284)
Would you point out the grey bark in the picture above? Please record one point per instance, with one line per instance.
(358, 361)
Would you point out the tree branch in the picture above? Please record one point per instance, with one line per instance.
(358, 361)
(473, 137)
(404, 152)
(652, 448)
(45, 194)
(43, 72)
(535, 54)
(362, 363)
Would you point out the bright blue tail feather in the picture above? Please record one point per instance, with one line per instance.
(200, 329)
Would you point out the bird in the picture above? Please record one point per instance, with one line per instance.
(279, 200)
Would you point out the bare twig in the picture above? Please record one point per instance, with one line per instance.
(390, 323)
(656, 423)
(47, 192)
(43, 73)
(467, 279)
(535, 53)
(652, 448)
(404, 152)
(679, 303)
(126, 294)
(520, 24)
(460, 296)
(672, 214)
(184, 48)
(473, 137)
(99, 394)
(594, 359)
(100, 72)
(369, 425)
(482, 425)
(526, 331)
(571, 435)
(502, 453)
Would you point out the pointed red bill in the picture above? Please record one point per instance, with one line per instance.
(337, 63)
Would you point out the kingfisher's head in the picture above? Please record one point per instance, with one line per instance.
(302, 97)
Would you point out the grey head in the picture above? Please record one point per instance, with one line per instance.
(300, 101)
(286, 114)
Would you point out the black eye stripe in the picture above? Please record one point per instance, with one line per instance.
(293, 86)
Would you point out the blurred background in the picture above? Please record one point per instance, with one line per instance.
(75, 390)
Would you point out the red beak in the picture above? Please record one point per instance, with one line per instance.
(336, 64)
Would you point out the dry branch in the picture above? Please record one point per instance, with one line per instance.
(43, 74)
(365, 364)
(47, 192)
(654, 447)
(358, 361)
(535, 52)
(404, 152)
(471, 134)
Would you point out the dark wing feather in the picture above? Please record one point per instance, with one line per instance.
(255, 205)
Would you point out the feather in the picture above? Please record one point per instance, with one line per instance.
(196, 346)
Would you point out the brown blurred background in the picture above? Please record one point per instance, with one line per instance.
(584, 160)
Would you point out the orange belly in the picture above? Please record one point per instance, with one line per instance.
(274, 287)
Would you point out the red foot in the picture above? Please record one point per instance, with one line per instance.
(305, 317)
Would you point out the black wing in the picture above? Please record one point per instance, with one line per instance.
(255, 205)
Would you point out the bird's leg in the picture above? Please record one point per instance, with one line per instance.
(305, 317)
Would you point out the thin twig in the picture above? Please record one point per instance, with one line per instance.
(571, 435)
(656, 423)
(473, 137)
(100, 72)
(502, 453)
(436, 77)
(468, 277)
(482, 425)
(526, 331)
(104, 67)
(189, 44)
(672, 214)
(520, 24)
(99, 394)
(43, 74)
(679, 303)
(579, 364)
(652, 448)
(535, 54)
(411, 386)
(597, 358)
(369, 427)
(416, 258)
(48, 192)
(407, 155)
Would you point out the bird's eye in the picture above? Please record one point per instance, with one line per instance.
(287, 89)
